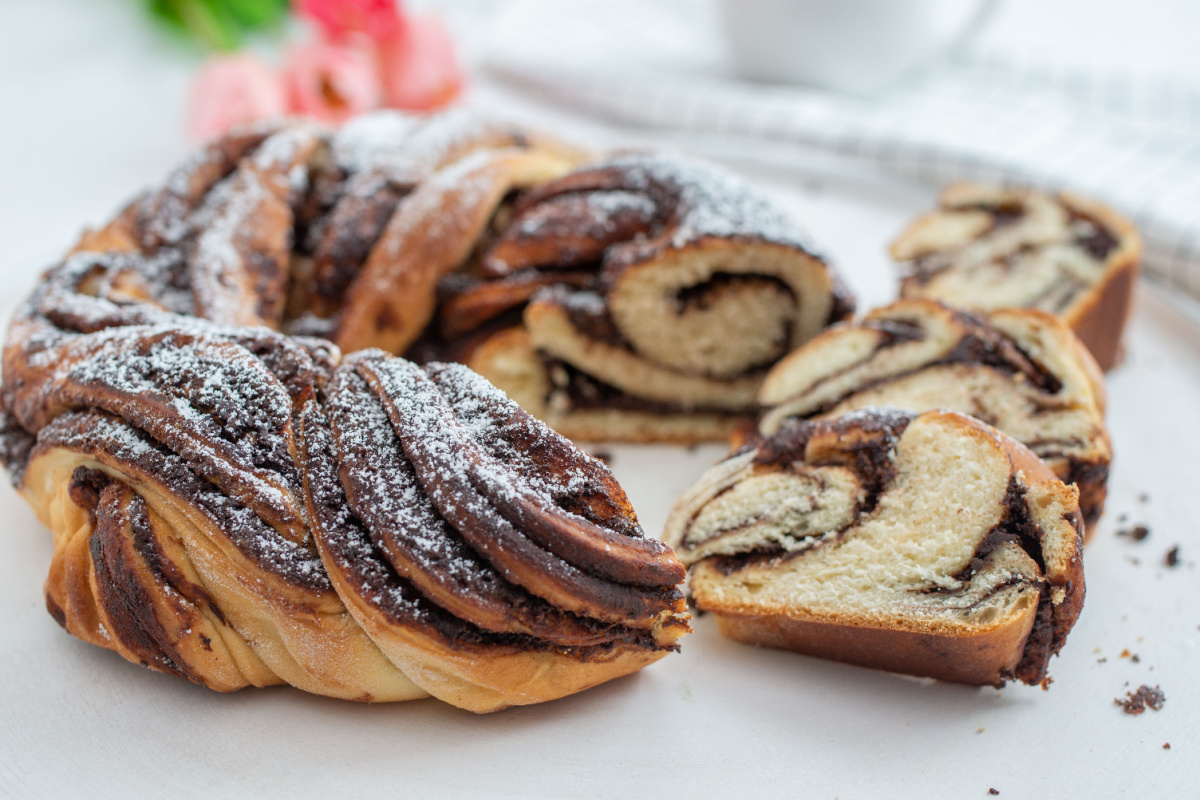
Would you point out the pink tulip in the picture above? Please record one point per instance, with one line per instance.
(332, 81)
(419, 69)
(232, 90)
(377, 19)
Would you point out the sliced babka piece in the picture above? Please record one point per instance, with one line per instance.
(927, 543)
(1018, 370)
(658, 292)
(988, 247)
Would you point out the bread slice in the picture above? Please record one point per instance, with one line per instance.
(1018, 370)
(929, 544)
(510, 360)
(988, 247)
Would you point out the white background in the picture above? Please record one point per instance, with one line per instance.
(91, 110)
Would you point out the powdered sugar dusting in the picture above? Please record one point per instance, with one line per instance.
(526, 453)
(203, 397)
(367, 140)
(600, 212)
(408, 147)
(231, 209)
(113, 441)
(471, 182)
(350, 552)
(708, 200)
(388, 494)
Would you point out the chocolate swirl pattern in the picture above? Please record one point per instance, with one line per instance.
(163, 466)
(1021, 371)
(238, 507)
(655, 292)
(989, 247)
(458, 496)
(923, 543)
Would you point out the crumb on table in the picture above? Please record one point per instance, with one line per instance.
(1136, 702)
(1138, 532)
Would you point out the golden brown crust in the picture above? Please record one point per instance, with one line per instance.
(1100, 319)
(489, 682)
(393, 299)
(976, 659)
(242, 630)
(118, 236)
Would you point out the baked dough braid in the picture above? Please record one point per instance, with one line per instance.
(236, 506)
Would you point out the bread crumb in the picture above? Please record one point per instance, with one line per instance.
(1166, 745)
(1172, 557)
(1137, 532)
(993, 791)
(1136, 702)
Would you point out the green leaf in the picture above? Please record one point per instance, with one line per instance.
(211, 22)
(166, 12)
(257, 13)
(218, 24)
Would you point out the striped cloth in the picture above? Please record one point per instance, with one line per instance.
(994, 112)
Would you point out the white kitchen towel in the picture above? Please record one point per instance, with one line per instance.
(1101, 112)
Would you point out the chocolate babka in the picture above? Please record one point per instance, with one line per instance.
(237, 506)
(928, 544)
(656, 293)
(989, 247)
(1018, 370)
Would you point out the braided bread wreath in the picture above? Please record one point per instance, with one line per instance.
(236, 503)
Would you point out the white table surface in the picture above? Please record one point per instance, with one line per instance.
(91, 110)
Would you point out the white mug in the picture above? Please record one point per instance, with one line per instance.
(857, 46)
